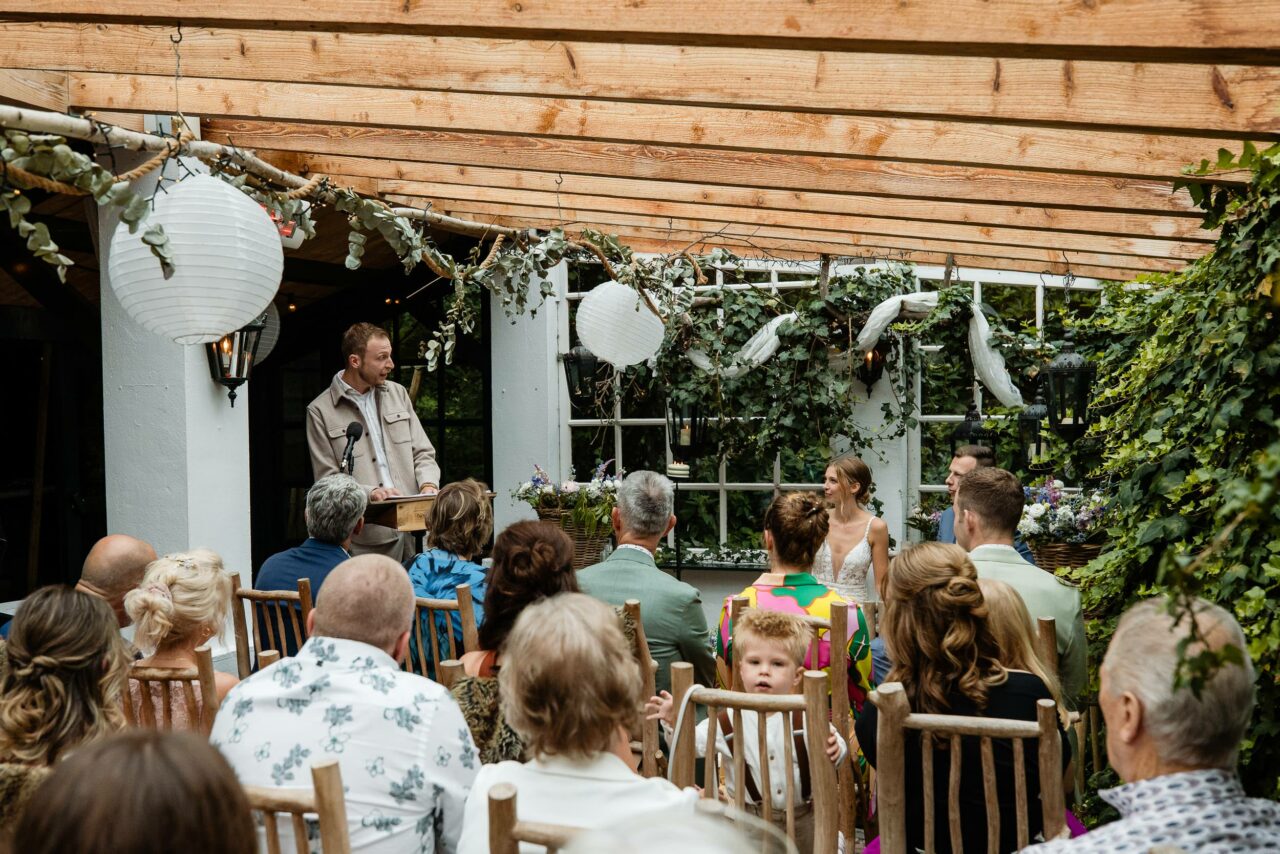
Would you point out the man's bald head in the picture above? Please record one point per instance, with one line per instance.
(367, 598)
(113, 567)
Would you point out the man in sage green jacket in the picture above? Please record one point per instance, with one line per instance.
(671, 611)
(988, 507)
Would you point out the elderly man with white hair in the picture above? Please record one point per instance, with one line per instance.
(1176, 752)
(674, 622)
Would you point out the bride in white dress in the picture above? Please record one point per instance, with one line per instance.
(858, 540)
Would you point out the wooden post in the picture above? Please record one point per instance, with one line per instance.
(331, 806)
(37, 475)
(1050, 754)
(736, 606)
(838, 637)
(683, 760)
(1048, 642)
(467, 611)
(243, 664)
(824, 276)
(268, 657)
(502, 819)
(449, 671)
(892, 709)
(826, 811)
(648, 731)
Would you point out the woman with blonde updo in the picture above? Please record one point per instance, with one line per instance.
(62, 689)
(181, 604)
(946, 656)
(856, 547)
(795, 526)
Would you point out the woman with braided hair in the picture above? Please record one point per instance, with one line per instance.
(66, 672)
(938, 634)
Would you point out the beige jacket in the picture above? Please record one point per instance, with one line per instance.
(410, 456)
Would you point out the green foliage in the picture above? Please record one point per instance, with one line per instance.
(1189, 413)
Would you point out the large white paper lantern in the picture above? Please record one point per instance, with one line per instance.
(227, 263)
(270, 334)
(615, 324)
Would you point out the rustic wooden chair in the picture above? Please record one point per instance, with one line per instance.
(813, 709)
(279, 620)
(1047, 647)
(437, 614)
(506, 832)
(177, 689)
(896, 717)
(646, 746)
(855, 797)
(326, 801)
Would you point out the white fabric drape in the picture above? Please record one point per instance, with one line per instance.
(758, 350)
(988, 363)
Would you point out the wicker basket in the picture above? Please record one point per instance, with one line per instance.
(1055, 556)
(586, 548)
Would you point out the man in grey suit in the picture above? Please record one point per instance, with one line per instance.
(671, 610)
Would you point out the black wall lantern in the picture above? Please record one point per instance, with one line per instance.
(687, 433)
(871, 367)
(972, 432)
(1069, 378)
(580, 366)
(231, 356)
(1030, 434)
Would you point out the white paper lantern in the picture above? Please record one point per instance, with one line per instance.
(270, 334)
(227, 263)
(615, 324)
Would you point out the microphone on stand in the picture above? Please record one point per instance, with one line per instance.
(354, 431)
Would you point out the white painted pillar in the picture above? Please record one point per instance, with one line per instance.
(528, 397)
(177, 453)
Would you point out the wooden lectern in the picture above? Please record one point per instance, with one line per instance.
(404, 513)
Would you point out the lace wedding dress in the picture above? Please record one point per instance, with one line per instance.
(855, 580)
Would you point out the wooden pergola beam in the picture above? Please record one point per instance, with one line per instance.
(44, 90)
(576, 207)
(1133, 24)
(934, 141)
(1207, 98)
(709, 166)
(932, 210)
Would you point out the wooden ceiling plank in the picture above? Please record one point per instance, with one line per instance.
(1063, 150)
(1196, 97)
(446, 195)
(358, 170)
(1132, 24)
(708, 166)
(44, 90)
(544, 218)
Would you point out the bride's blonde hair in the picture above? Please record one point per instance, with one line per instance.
(852, 471)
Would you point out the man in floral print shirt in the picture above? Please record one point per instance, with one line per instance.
(406, 755)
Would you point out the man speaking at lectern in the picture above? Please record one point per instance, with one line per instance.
(390, 453)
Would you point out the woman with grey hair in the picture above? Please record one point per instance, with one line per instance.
(1175, 748)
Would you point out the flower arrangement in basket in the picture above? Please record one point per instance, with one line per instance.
(1062, 528)
(582, 509)
(925, 522)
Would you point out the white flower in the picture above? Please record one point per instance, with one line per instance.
(1028, 527)
(548, 490)
(1057, 484)
(569, 486)
(593, 491)
(1035, 511)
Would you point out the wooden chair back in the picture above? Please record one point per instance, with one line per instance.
(437, 615)
(816, 715)
(646, 745)
(189, 690)
(506, 832)
(450, 672)
(268, 657)
(326, 801)
(279, 620)
(896, 717)
(1047, 643)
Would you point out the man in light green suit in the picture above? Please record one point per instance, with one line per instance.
(988, 507)
(671, 610)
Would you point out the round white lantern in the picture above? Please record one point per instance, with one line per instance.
(270, 333)
(615, 324)
(227, 263)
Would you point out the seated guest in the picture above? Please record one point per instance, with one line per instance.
(1175, 749)
(572, 690)
(460, 525)
(771, 647)
(113, 567)
(795, 526)
(180, 605)
(407, 761)
(63, 688)
(140, 792)
(531, 561)
(1010, 624)
(970, 458)
(988, 507)
(671, 610)
(948, 662)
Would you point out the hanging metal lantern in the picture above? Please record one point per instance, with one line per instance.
(972, 432)
(580, 366)
(231, 357)
(687, 434)
(1030, 434)
(871, 368)
(1069, 378)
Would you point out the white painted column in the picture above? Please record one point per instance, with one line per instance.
(528, 397)
(177, 453)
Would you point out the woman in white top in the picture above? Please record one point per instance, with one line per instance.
(857, 540)
(571, 689)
